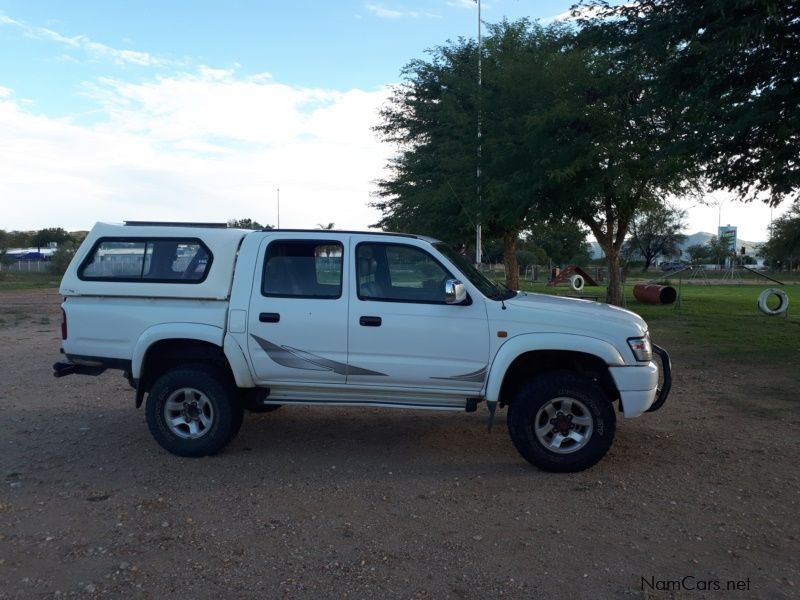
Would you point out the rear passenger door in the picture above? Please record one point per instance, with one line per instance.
(297, 321)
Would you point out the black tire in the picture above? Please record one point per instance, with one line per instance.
(588, 413)
(252, 400)
(201, 386)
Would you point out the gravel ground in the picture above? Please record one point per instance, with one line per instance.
(334, 503)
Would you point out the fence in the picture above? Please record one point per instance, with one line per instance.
(540, 273)
(26, 266)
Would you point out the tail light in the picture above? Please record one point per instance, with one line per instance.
(63, 325)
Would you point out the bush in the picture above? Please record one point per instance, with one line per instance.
(62, 257)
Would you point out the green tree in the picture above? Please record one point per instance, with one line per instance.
(718, 250)
(529, 255)
(656, 231)
(563, 241)
(62, 257)
(730, 68)
(698, 253)
(433, 118)
(748, 260)
(78, 236)
(783, 246)
(20, 239)
(618, 133)
(247, 224)
(43, 237)
(571, 129)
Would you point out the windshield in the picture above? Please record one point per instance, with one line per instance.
(487, 287)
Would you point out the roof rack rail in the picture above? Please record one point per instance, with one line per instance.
(175, 224)
(386, 233)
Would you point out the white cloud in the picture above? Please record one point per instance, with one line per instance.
(92, 49)
(208, 145)
(5, 92)
(464, 3)
(6, 20)
(383, 12)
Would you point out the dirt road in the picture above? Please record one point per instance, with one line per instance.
(333, 503)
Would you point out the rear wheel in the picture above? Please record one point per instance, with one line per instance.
(561, 422)
(191, 411)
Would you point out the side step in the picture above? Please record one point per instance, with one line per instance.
(359, 396)
(370, 403)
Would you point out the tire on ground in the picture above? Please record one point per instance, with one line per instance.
(576, 282)
(209, 391)
(763, 299)
(538, 404)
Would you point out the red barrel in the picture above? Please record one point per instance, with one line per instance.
(648, 293)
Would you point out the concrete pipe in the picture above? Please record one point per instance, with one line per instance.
(648, 293)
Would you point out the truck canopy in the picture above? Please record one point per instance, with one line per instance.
(148, 260)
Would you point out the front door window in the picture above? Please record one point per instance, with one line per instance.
(399, 273)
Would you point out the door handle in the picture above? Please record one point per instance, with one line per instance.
(269, 317)
(370, 321)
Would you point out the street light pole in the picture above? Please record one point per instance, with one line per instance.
(279, 207)
(478, 242)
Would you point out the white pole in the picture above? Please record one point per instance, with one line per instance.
(478, 241)
(279, 207)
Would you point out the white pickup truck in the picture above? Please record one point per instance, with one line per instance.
(207, 321)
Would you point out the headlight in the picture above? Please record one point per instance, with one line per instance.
(642, 349)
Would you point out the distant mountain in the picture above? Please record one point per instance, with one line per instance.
(701, 237)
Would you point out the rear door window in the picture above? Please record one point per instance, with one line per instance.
(303, 269)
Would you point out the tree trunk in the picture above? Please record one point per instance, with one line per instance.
(614, 293)
(510, 259)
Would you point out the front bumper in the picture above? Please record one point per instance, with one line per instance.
(666, 385)
(639, 388)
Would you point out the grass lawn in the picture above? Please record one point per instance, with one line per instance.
(722, 319)
(27, 281)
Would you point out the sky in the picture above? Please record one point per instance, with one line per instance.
(208, 111)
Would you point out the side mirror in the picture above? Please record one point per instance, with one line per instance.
(454, 292)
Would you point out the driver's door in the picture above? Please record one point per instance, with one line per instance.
(401, 332)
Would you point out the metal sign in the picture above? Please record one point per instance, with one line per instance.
(727, 234)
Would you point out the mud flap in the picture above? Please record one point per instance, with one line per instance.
(492, 406)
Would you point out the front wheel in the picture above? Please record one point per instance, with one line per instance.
(561, 422)
(191, 411)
